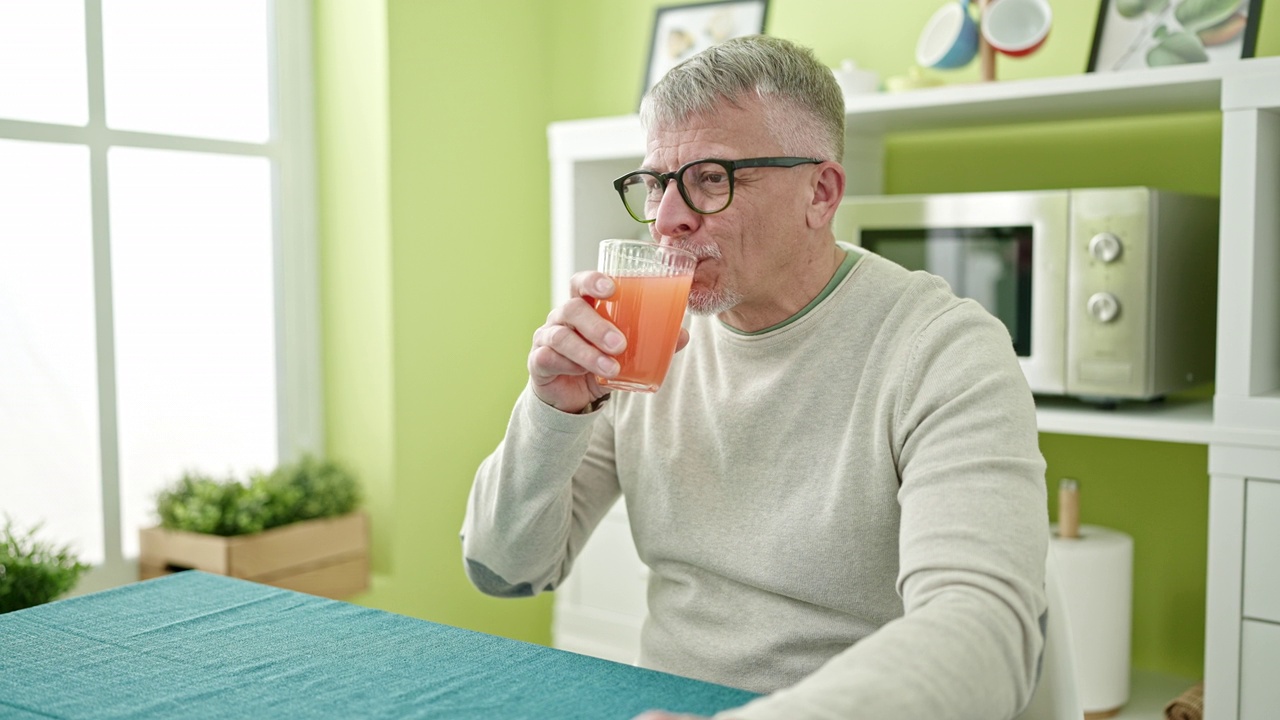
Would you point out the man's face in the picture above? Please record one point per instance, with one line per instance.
(746, 251)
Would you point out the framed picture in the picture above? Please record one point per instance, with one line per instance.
(682, 31)
(1155, 33)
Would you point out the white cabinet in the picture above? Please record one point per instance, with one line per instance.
(1262, 552)
(1242, 650)
(1241, 425)
(1260, 670)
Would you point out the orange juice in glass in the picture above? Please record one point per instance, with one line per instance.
(651, 291)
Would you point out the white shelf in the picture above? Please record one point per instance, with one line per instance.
(1075, 97)
(1154, 91)
(1180, 422)
(1171, 421)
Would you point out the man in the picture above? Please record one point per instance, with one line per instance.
(838, 489)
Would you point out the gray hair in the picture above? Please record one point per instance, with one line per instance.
(808, 121)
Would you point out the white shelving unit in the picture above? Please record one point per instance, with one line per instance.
(600, 609)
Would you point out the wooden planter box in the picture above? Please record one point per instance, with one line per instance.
(327, 557)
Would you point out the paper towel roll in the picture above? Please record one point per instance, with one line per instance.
(1096, 574)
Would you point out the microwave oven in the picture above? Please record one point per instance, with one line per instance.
(1109, 294)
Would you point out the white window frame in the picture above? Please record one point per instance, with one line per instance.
(290, 150)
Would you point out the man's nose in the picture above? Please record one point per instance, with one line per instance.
(675, 218)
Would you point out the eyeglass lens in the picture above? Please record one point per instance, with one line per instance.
(704, 186)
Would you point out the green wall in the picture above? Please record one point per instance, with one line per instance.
(355, 248)
(435, 247)
(431, 126)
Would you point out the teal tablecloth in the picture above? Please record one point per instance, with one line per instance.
(205, 646)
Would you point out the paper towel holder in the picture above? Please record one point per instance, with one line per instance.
(1099, 613)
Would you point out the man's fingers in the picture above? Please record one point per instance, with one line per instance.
(583, 321)
(575, 345)
(591, 283)
(546, 364)
(561, 350)
(682, 340)
(588, 323)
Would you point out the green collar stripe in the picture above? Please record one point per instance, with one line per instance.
(851, 257)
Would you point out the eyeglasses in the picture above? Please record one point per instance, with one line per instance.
(705, 185)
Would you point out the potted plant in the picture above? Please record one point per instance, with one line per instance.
(33, 571)
(297, 527)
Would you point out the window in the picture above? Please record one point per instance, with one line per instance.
(158, 305)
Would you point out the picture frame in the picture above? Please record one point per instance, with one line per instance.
(682, 31)
(1133, 34)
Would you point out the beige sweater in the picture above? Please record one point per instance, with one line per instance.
(847, 512)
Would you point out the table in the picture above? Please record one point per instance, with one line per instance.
(200, 645)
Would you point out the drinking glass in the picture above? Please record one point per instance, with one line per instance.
(651, 291)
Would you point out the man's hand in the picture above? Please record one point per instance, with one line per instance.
(575, 345)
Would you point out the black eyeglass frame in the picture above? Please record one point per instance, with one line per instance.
(728, 165)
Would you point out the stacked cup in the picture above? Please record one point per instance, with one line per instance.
(1013, 27)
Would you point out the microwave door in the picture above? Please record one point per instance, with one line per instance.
(1006, 251)
(990, 265)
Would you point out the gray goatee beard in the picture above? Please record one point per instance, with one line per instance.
(709, 302)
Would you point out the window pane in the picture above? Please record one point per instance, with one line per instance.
(50, 470)
(191, 255)
(42, 61)
(187, 67)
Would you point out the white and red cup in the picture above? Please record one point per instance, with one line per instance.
(1016, 27)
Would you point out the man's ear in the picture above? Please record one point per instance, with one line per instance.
(828, 190)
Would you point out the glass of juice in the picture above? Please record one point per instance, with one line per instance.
(651, 291)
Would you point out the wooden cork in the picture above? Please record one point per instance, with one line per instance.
(1068, 508)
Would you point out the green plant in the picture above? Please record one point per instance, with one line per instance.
(305, 490)
(33, 571)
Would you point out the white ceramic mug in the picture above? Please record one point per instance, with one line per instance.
(1017, 27)
(854, 80)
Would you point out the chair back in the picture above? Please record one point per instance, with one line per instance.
(1055, 696)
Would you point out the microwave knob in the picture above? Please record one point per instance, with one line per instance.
(1105, 247)
(1103, 307)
